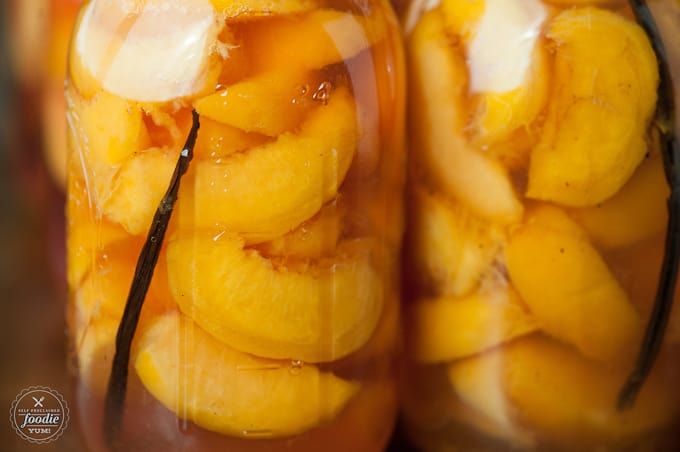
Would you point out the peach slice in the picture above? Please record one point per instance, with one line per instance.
(569, 289)
(104, 292)
(508, 67)
(551, 388)
(438, 84)
(462, 18)
(449, 328)
(636, 212)
(151, 37)
(103, 133)
(229, 392)
(248, 303)
(88, 235)
(451, 247)
(594, 135)
(315, 238)
(309, 41)
(138, 189)
(98, 306)
(106, 129)
(499, 114)
(216, 140)
(269, 103)
(248, 9)
(272, 189)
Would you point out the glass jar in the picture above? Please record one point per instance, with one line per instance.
(272, 316)
(537, 217)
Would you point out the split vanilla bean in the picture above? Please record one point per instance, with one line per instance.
(146, 263)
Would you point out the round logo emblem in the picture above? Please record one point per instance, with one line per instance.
(39, 414)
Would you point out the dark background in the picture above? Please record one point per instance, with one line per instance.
(32, 296)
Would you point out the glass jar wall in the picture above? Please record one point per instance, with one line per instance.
(536, 225)
(272, 316)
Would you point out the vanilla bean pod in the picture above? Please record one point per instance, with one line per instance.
(146, 263)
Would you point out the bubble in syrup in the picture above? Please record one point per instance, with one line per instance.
(296, 366)
(323, 92)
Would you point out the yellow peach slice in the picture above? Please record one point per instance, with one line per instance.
(462, 17)
(551, 388)
(507, 64)
(438, 83)
(327, 37)
(450, 247)
(108, 128)
(594, 135)
(138, 189)
(269, 103)
(88, 235)
(568, 287)
(315, 238)
(229, 392)
(103, 132)
(636, 212)
(241, 298)
(449, 328)
(216, 140)
(270, 190)
(98, 306)
(248, 9)
(104, 292)
(498, 115)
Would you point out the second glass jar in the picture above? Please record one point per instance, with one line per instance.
(537, 216)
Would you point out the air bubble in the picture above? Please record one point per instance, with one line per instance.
(323, 92)
(302, 91)
(296, 366)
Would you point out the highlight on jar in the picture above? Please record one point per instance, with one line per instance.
(537, 222)
(249, 155)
